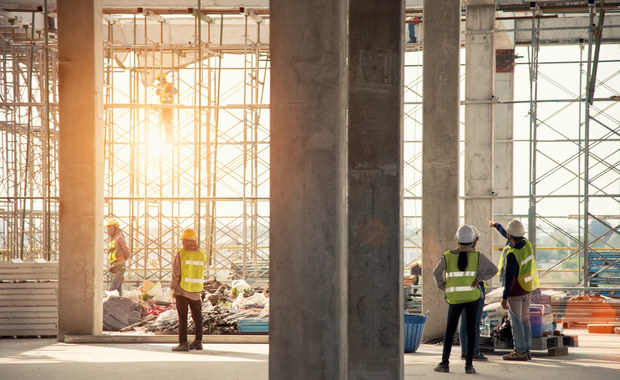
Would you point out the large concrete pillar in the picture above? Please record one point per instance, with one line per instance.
(375, 185)
(308, 283)
(80, 51)
(479, 118)
(503, 171)
(440, 152)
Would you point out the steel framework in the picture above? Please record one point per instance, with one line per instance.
(212, 173)
(566, 142)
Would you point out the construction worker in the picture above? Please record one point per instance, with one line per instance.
(187, 283)
(411, 21)
(520, 280)
(166, 92)
(459, 273)
(118, 254)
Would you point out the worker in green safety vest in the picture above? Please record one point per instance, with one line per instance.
(520, 280)
(459, 273)
(187, 283)
(118, 254)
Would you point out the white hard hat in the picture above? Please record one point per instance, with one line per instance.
(466, 234)
(515, 228)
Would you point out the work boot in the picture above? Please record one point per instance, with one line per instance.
(469, 369)
(442, 367)
(480, 358)
(195, 345)
(514, 355)
(529, 355)
(181, 347)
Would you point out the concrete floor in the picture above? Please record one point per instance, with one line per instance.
(597, 357)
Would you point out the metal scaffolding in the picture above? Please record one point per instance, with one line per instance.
(212, 171)
(566, 144)
(29, 145)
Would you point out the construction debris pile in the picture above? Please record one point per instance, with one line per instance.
(150, 309)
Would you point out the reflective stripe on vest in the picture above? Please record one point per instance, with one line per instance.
(459, 287)
(528, 271)
(192, 270)
(112, 251)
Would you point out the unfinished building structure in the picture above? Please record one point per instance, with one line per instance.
(556, 169)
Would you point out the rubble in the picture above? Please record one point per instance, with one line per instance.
(221, 310)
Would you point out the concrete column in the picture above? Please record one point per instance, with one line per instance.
(440, 152)
(308, 258)
(375, 185)
(80, 51)
(479, 118)
(502, 174)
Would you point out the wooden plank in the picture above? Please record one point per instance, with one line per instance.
(37, 302)
(29, 271)
(31, 277)
(23, 326)
(4, 322)
(28, 316)
(34, 332)
(26, 292)
(28, 285)
(33, 270)
(29, 308)
(9, 266)
(28, 297)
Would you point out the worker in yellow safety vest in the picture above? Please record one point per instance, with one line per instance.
(520, 280)
(118, 254)
(459, 272)
(166, 92)
(187, 283)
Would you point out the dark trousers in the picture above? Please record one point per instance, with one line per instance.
(454, 313)
(196, 308)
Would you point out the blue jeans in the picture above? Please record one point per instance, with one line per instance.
(411, 31)
(463, 331)
(519, 311)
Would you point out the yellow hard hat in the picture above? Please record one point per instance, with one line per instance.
(189, 234)
(112, 222)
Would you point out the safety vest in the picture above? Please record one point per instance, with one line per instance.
(459, 287)
(528, 271)
(112, 250)
(501, 271)
(192, 270)
(164, 96)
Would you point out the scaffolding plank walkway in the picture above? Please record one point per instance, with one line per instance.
(28, 299)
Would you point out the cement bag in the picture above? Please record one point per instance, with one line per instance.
(120, 312)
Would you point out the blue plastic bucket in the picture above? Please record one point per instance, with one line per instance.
(536, 317)
(414, 328)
